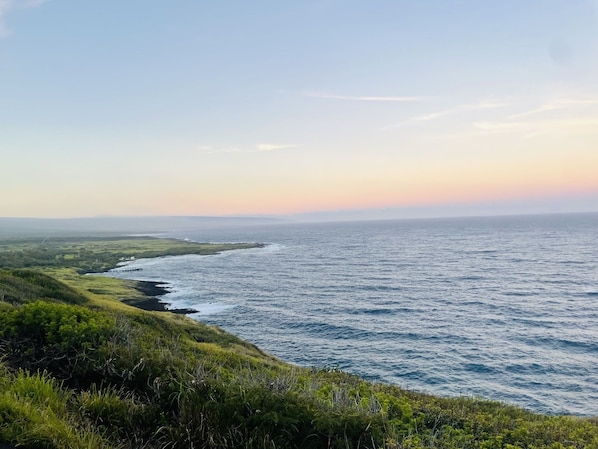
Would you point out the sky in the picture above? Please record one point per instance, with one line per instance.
(191, 107)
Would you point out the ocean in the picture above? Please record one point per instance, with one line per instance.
(503, 308)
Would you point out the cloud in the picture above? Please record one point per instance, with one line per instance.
(419, 118)
(273, 147)
(403, 99)
(481, 105)
(6, 6)
(431, 116)
(543, 127)
(486, 104)
(557, 104)
(258, 148)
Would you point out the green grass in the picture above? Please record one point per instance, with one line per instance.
(81, 369)
(37, 412)
(18, 286)
(96, 254)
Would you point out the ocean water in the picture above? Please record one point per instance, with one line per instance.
(503, 308)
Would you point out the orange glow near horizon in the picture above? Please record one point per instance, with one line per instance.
(334, 191)
(302, 182)
(287, 202)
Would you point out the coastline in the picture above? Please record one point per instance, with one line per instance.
(142, 361)
(151, 291)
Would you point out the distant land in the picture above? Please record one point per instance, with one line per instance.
(15, 226)
(556, 204)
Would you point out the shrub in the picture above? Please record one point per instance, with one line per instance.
(59, 337)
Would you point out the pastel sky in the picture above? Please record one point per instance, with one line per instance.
(192, 107)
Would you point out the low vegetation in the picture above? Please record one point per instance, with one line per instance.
(97, 254)
(80, 369)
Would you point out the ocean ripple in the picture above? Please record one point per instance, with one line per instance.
(503, 308)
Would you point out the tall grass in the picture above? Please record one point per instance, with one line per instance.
(35, 413)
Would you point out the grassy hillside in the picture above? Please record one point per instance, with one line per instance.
(81, 369)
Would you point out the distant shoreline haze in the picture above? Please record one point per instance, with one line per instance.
(15, 226)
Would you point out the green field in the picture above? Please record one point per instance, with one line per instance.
(97, 254)
(81, 369)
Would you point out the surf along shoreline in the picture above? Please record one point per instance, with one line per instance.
(153, 291)
(151, 301)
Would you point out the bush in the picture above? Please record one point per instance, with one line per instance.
(59, 337)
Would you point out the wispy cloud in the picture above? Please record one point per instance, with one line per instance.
(6, 6)
(533, 122)
(258, 148)
(420, 118)
(273, 147)
(481, 105)
(554, 105)
(543, 127)
(400, 99)
(486, 104)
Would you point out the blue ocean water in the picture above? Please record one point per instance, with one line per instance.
(504, 308)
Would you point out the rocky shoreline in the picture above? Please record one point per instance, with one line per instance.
(152, 290)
